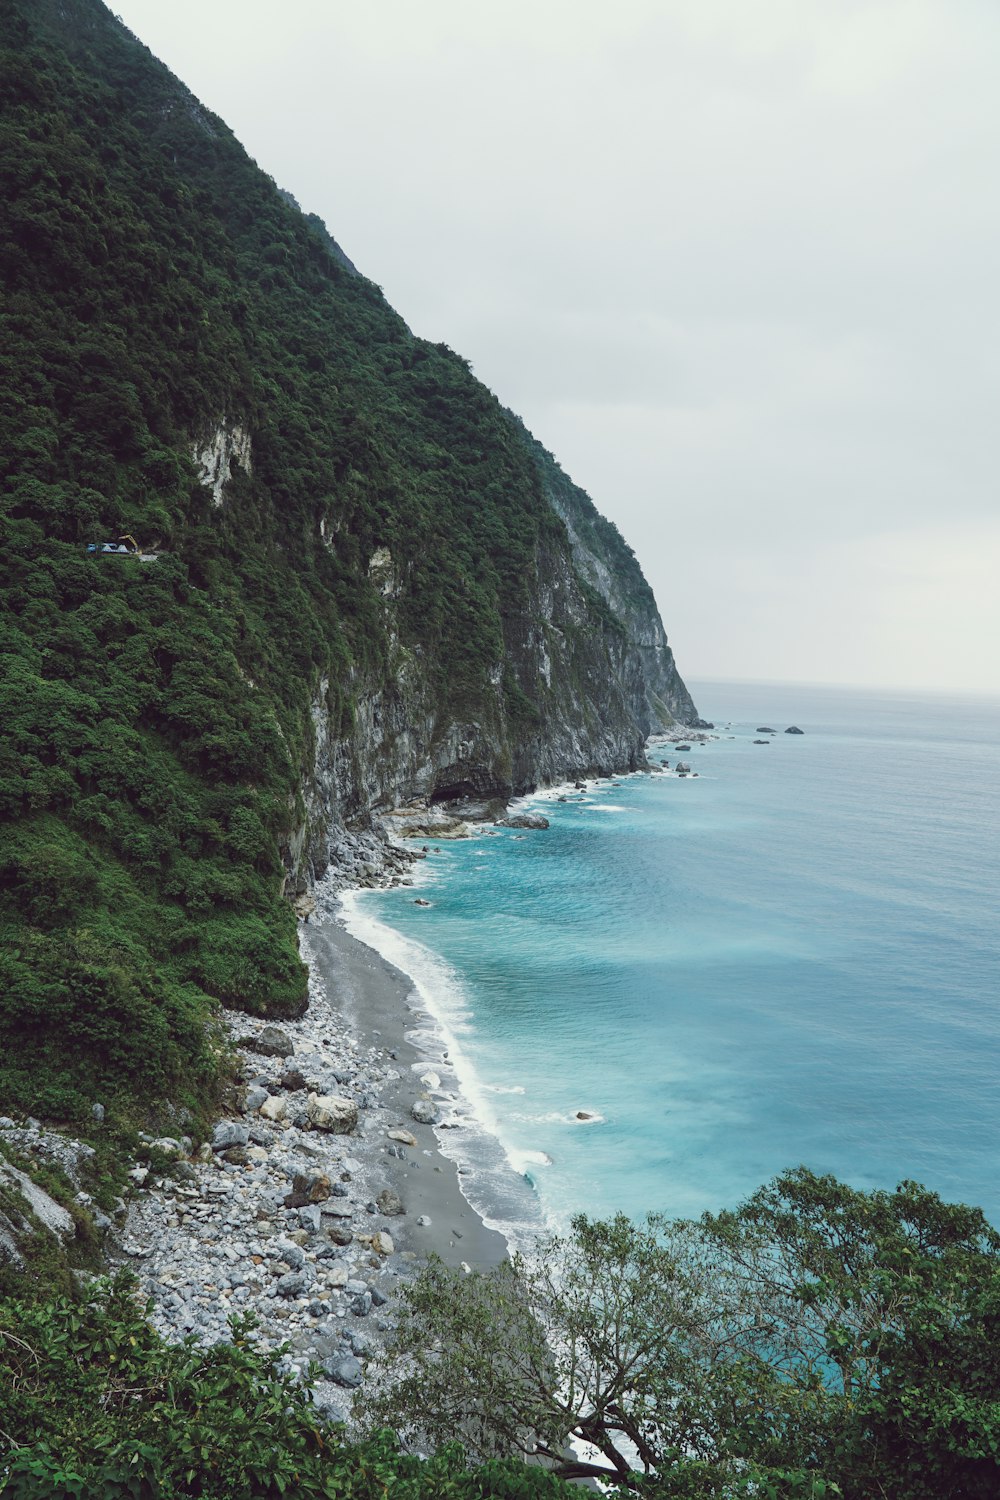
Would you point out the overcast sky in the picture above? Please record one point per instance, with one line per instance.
(736, 264)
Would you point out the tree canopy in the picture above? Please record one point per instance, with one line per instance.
(818, 1340)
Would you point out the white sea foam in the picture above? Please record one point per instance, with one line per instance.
(444, 1016)
(522, 1160)
(566, 1117)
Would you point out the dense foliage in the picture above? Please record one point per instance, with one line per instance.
(92, 1403)
(157, 288)
(817, 1341)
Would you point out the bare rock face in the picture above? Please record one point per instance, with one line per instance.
(598, 694)
(331, 1112)
(10, 1237)
(23, 1207)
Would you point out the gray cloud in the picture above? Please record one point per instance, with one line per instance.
(735, 264)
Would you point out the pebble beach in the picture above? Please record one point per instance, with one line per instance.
(323, 1195)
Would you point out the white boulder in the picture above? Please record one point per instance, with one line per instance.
(331, 1112)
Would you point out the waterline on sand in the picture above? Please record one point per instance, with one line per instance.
(495, 1180)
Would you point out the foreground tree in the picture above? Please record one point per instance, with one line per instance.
(95, 1406)
(816, 1341)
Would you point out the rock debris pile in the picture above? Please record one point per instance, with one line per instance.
(283, 1214)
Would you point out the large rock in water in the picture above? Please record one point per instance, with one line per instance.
(794, 729)
(331, 1112)
(524, 820)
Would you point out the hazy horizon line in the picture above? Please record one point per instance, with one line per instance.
(857, 687)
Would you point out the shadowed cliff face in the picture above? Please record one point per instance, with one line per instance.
(367, 582)
(590, 680)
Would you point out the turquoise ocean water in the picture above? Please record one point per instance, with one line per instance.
(792, 957)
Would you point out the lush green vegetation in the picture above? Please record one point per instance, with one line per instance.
(93, 1404)
(156, 725)
(817, 1341)
(156, 716)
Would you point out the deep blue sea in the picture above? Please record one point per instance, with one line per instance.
(793, 956)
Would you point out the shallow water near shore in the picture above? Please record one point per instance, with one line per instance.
(790, 957)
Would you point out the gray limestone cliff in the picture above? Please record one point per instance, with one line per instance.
(585, 663)
(608, 565)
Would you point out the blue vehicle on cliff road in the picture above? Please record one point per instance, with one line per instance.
(126, 546)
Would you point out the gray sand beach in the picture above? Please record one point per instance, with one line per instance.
(372, 997)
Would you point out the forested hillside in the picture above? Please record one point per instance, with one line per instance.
(363, 588)
(352, 579)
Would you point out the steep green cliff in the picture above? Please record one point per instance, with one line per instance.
(370, 582)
